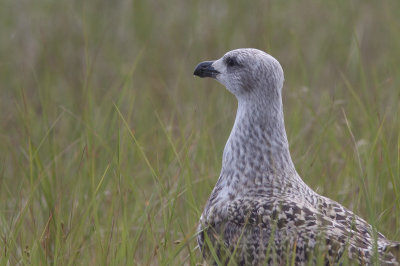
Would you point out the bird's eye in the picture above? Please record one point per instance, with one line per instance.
(230, 61)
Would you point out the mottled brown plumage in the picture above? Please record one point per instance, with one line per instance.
(260, 211)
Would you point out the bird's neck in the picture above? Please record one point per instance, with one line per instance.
(257, 151)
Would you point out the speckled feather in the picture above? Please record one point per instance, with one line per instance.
(260, 211)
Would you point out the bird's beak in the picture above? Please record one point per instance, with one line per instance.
(205, 69)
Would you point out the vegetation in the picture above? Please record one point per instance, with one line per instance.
(109, 147)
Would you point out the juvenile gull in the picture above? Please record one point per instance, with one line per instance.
(260, 211)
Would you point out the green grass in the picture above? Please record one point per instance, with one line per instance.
(109, 147)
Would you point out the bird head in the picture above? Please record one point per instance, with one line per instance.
(245, 72)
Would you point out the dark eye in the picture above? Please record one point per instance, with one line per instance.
(231, 61)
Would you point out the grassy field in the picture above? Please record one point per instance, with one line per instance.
(109, 147)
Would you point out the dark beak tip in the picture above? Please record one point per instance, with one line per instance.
(196, 71)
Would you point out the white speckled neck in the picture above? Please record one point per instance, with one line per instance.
(256, 156)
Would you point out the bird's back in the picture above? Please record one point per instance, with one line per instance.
(282, 230)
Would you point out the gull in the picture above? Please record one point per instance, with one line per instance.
(260, 211)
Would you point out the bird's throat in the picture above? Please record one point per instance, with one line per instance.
(257, 149)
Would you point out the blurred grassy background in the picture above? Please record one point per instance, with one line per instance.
(109, 147)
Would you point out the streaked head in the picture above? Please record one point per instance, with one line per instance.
(245, 72)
